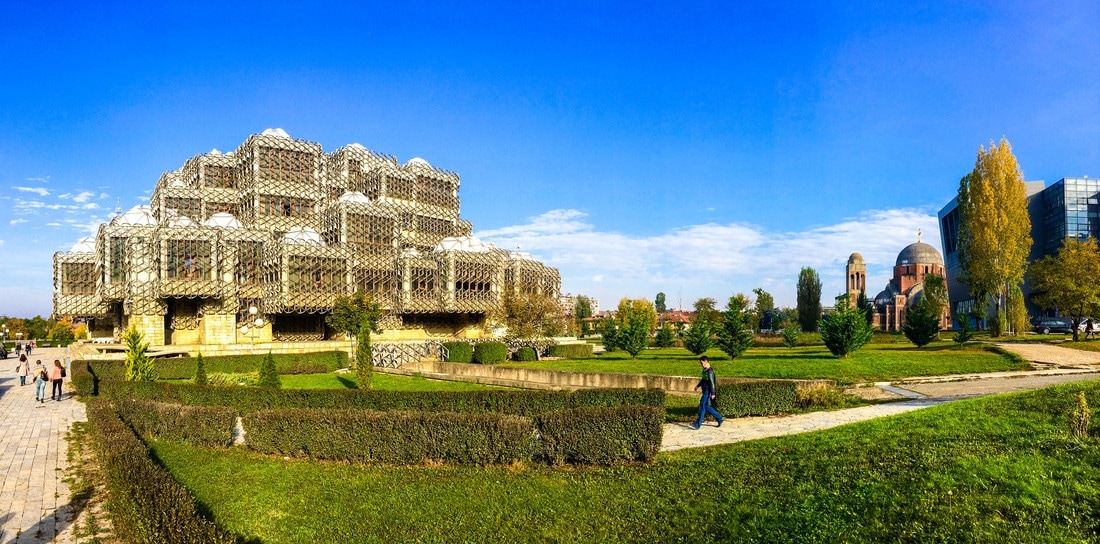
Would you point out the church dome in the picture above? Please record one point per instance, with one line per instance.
(919, 253)
(855, 258)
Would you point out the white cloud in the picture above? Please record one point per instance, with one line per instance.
(17, 221)
(714, 259)
(40, 191)
(39, 179)
(53, 224)
(89, 206)
(83, 196)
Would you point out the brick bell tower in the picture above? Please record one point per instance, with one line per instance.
(856, 272)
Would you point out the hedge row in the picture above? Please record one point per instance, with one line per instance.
(601, 435)
(756, 398)
(526, 354)
(147, 504)
(571, 351)
(488, 353)
(183, 368)
(459, 352)
(362, 436)
(198, 425)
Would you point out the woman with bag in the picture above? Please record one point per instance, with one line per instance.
(40, 379)
(23, 369)
(56, 373)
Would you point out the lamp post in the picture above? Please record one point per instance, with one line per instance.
(257, 323)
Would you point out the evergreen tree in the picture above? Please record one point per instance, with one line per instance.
(634, 336)
(200, 371)
(269, 374)
(609, 333)
(845, 330)
(364, 359)
(139, 367)
(809, 299)
(866, 307)
(733, 337)
(921, 326)
(697, 339)
(582, 309)
(664, 337)
(994, 226)
(659, 303)
(764, 312)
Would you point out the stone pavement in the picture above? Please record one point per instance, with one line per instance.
(34, 502)
(1069, 365)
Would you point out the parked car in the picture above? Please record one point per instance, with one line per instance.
(1048, 325)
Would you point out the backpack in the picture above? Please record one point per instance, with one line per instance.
(62, 372)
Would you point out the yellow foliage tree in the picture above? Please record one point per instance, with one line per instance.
(1067, 281)
(994, 228)
(636, 307)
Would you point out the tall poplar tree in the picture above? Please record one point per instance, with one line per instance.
(809, 299)
(994, 227)
(659, 303)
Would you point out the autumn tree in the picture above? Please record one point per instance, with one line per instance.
(733, 336)
(530, 315)
(1067, 280)
(809, 299)
(350, 312)
(659, 303)
(764, 312)
(994, 226)
(708, 307)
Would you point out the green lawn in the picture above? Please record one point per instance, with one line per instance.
(996, 469)
(379, 380)
(875, 362)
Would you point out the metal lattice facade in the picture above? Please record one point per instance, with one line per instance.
(281, 227)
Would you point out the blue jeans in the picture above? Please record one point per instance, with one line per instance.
(705, 408)
(40, 389)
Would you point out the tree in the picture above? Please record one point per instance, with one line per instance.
(733, 336)
(530, 315)
(139, 367)
(609, 333)
(934, 294)
(659, 303)
(707, 306)
(922, 324)
(1017, 310)
(866, 307)
(582, 309)
(845, 330)
(664, 337)
(61, 334)
(765, 309)
(200, 371)
(994, 226)
(349, 313)
(1067, 281)
(697, 339)
(809, 299)
(364, 357)
(269, 373)
(634, 335)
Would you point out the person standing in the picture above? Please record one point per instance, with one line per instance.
(710, 392)
(40, 379)
(24, 369)
(56, 374)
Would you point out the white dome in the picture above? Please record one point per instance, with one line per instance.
(354, 196)
(84, 245)
(357, 146)
(177, 182)
(464, 243)
(519, 255)
(417, 161)
(277, 132)
(223, 220)
(138, 215)
(180, 221)
(214, 152)
(303, 235)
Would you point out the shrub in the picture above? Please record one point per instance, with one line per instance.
(790, 336)
(364, 358)
(1080, 417)
(196, 425)
(820, 394)
(698, 339)
(139, 367)
(964, 333)
(845, 330)
(362, 436)
(147, 504)
(185, 368)
(601, 435)
(269, 375)
(756, 397)
(664, 337)
(571, 351)
(921, 327)
(459, 352)
(488, 353)
(200, 371)
(526, 354)
(733, 338)
(616, 397)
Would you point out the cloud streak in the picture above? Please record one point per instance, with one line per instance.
(714, 259)
(40, 191)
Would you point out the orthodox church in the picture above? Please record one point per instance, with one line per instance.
(904, 290)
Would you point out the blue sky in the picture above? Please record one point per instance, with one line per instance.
(698, 149)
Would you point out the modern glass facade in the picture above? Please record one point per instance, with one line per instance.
(1071, 208)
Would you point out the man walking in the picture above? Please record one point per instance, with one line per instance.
(707, 383)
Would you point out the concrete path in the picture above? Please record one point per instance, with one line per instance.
(34, 502)
(1069, 365)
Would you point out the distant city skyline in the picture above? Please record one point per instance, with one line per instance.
(704, 149)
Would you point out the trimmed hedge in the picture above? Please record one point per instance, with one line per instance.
(526, 354)
(601, 435)
(210, 426)
(571, 351)
(147, 504)
(488, 353)
(756, 398)
(617, 397)
(361, 436)
(184, 368)
(459, 352)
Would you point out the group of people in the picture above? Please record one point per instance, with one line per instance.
(39, 375)
(25, 347)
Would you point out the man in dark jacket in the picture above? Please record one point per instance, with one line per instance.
(707, 383)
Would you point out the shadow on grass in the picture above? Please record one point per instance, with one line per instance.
(348, 382)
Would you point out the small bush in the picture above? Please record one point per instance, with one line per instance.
(664, 337)
(845, 330)
(233, 380)
(361, 436)
(1080, 417)
(571, 351)
(965, 332)
(489, 353)
(185, 368)
(601, 435)
(921, 327)
(200, 371)
(820, 394)
(756, 397)
(459, 352)
(526, 354)
(147, 504)
(790, 336)
(196, 425)
(269, 375)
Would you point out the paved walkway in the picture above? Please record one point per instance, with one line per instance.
(1069, 365)
(34, 502)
